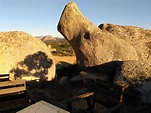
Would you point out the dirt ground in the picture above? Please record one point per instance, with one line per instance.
(62, 61)
(68, 59)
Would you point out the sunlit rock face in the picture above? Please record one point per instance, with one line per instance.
(107, 47)
(139, 38)
(25, 57)
(92, 46)
(97, 45)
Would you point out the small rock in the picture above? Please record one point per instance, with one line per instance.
(93, 76)
(65, 82)
(41, 95)
(76, 78)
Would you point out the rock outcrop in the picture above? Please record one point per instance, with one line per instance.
(122, 52)
(133, 72)
(137, 99)
(135, 76)
(139, 38)
(94, 46)
(23, 56)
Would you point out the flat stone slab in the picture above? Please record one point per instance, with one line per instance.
(42, 107)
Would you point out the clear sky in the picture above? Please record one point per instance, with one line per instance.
(40, 17)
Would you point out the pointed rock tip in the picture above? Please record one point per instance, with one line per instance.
(72, 3)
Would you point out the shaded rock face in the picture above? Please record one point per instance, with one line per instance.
(22, 55)
(136, 77)
(133, 72)
(137, 100)
(92, 45)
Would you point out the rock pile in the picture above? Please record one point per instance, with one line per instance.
(96, 46)
(122, 52)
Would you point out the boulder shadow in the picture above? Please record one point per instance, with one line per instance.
(36, 64)
(62, 64)
(108, 68)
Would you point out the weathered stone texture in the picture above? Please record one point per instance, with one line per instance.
(139, 38)
(133, 72)
(94, 46)
(22, 55)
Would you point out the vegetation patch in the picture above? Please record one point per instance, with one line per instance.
(63, 48)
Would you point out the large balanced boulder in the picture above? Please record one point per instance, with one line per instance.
(23, 56)
(94, 46)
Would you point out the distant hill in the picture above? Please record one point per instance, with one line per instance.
(38, 37)
(49, 38)
(58, 46)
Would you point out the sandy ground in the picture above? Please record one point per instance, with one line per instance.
(62, 61)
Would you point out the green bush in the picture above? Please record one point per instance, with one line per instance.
(63, 48)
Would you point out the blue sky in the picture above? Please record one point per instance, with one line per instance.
(40, 17)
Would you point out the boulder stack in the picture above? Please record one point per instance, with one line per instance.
(94, 46)
(122, 52)
(105, 46)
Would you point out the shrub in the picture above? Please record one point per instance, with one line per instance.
(63, 48)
